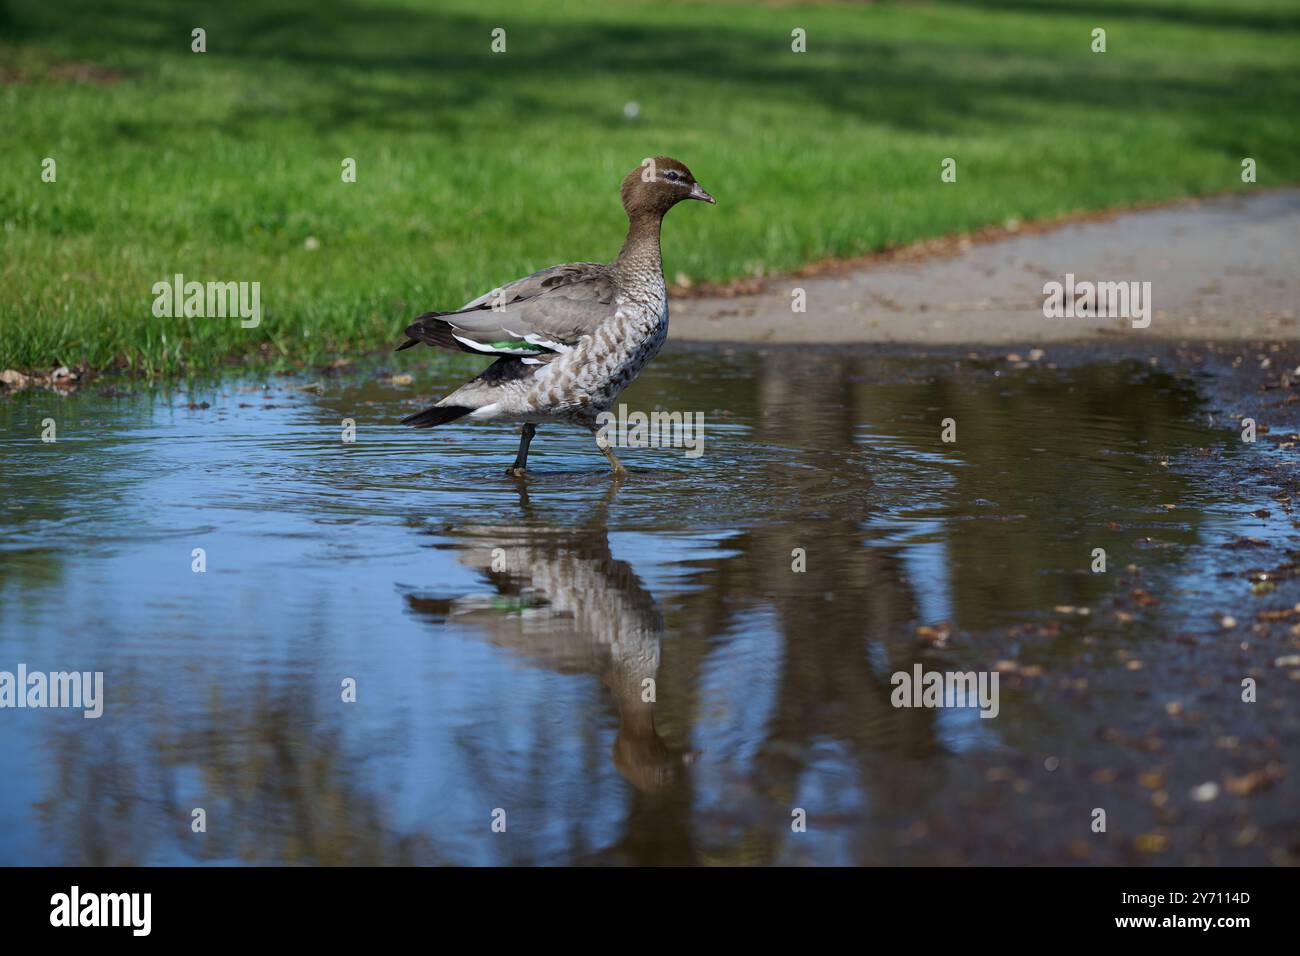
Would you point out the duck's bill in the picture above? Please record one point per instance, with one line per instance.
(697, 192)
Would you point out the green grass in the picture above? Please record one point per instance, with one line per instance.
(474, 167)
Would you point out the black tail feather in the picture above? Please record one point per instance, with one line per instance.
(409, 343)
(438, 415)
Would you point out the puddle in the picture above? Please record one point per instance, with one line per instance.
(502, 634)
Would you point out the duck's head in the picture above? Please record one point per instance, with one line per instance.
(657, 185)
(647, 762)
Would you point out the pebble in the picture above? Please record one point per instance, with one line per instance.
(1205, 792)
(1153, 843)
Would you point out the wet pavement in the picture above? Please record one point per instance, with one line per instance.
(505, 635)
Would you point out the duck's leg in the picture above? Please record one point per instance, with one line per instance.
(520, 467)
(607, 450)
(614, 463)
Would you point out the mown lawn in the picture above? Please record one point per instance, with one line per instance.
(475, 167)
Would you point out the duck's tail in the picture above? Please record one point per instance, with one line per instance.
(437, 415)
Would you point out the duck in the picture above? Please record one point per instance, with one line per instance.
(567, 340)
(556, 597)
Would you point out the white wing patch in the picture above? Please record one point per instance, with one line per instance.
(535, 339)
(491, 349)
(476, 346)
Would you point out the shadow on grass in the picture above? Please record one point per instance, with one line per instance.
(1231, 14)
(391, 69)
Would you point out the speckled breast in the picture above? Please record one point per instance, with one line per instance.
(586, 380)
(650, 342)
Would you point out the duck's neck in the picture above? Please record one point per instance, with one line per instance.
(640, 259)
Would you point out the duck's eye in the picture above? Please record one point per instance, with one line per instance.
(671, 175)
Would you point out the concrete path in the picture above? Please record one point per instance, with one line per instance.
(1222, 268)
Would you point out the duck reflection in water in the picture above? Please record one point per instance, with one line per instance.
(562, 601)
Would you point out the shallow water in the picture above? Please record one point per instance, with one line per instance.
(513, 678)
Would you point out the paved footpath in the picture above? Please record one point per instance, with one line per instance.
(1223, 268)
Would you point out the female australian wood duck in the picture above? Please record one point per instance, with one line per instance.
(569, 338)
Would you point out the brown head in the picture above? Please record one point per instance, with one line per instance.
(649, 764)
(657, 185)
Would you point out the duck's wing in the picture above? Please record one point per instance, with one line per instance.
(538, 315)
